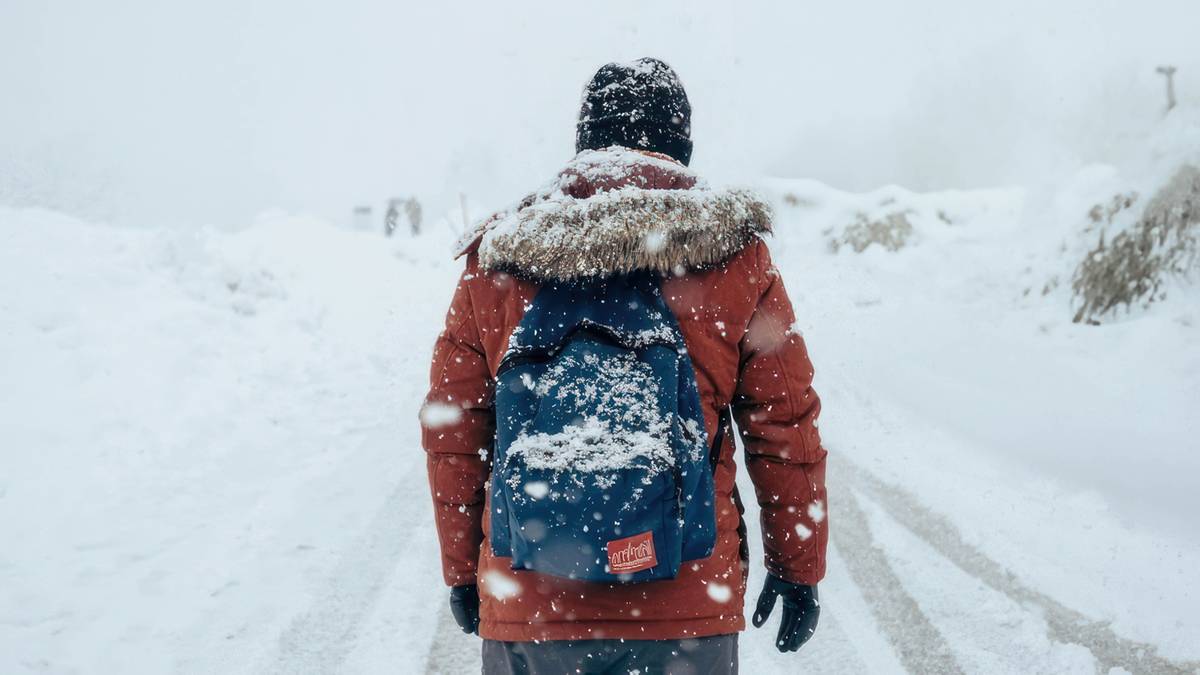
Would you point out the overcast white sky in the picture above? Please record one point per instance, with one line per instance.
(181, 113)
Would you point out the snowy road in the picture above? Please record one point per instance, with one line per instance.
(879, 616)
(229, 479)
(882, 613)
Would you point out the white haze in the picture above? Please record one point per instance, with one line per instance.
(147, 112)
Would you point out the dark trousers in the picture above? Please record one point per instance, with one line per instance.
(716, 655)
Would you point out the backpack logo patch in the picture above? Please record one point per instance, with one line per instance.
(631, 554)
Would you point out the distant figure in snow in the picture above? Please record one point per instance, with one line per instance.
(608, 333)
(412, 211)
(392, 217)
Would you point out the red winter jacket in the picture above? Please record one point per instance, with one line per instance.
(615, 211)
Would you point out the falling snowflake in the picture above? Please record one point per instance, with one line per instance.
(654, 241)
(537, 489)
(499, 585)
(719, 592)
(435, 415)
(816, 511)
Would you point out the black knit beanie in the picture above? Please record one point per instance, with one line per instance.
(639, 105)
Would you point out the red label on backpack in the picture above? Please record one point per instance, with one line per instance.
(631, 554)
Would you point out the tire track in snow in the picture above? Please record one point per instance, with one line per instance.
(919, 645)
(319, 640)
(921, 648)
(1065, 625)
(452, 651)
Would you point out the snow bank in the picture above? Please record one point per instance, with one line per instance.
(970, 320)
(1046, 228)
(1068, 216)
(952, 367)
(195, 426)
(903, 217)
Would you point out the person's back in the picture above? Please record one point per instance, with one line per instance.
(613, 214)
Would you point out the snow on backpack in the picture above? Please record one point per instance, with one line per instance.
(602, 469)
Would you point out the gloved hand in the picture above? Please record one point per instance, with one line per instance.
(801, 609)
(464, 605)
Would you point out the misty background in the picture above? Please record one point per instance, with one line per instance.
(139, 112)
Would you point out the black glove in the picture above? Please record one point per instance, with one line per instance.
(800, 611)
(464, 605)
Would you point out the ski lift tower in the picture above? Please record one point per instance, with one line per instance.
(1169, 73)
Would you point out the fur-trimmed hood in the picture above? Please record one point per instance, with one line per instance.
(615, 211)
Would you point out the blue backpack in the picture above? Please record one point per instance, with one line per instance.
(601, 468)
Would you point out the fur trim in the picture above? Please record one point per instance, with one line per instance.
(624, 230)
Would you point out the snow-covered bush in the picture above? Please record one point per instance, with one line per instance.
(1134, 265)
(891, 231)
(890, 220)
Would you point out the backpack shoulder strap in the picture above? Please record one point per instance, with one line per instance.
(723, 422)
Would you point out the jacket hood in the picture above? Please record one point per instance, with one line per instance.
(616, 211)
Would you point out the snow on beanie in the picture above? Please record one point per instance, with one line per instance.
(639, 105)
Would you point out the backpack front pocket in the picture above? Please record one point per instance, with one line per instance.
(617, 526)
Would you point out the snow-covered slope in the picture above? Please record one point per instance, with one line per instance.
(197, 429)
(209, 458)
(1064, 453)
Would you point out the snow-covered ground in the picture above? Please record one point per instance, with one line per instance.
(209, 455)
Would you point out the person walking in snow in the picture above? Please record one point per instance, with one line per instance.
(609, 334)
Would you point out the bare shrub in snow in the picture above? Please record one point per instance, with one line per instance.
(892, 232)
(1101, 214)
(795, 201)
(1134, 265)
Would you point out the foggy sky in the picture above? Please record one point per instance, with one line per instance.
(186, 113)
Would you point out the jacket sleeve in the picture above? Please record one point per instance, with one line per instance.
(457, 426)
(776, 411)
